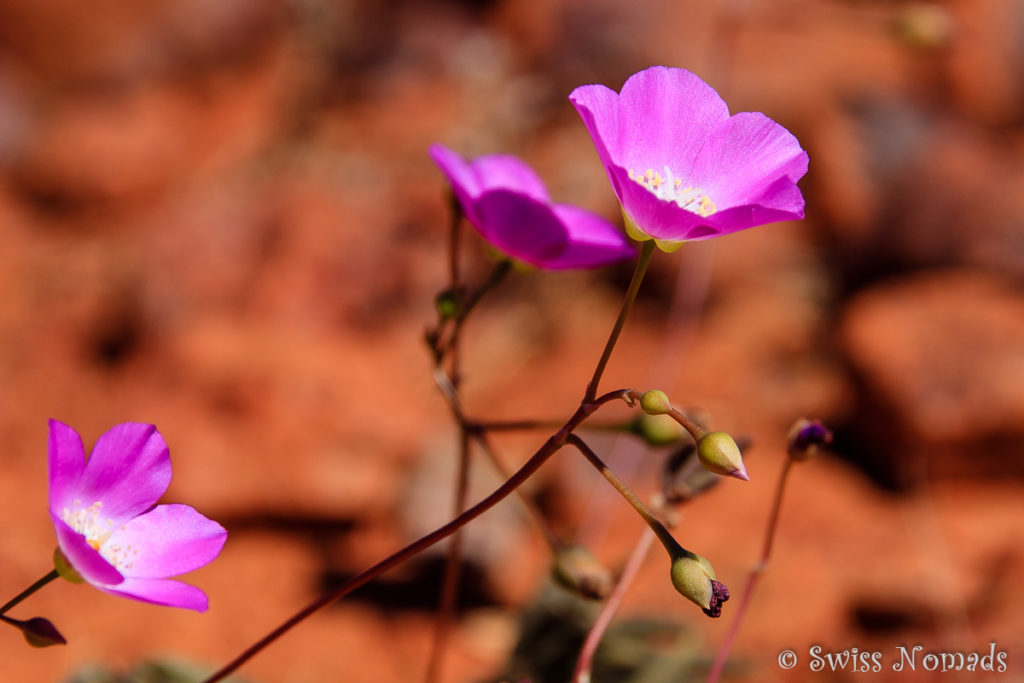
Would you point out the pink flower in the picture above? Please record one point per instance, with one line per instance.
(509, 206)
(681, 167)
(109, 528)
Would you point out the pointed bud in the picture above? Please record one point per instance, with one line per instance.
(655, 402)
(720, 454)
(40, 632)
(64, 568)
(577, 570)
(694, 578)
(806, 437)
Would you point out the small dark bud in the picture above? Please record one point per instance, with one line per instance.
(806, 437)
(576, 569)
(447, 303)
(40, 632)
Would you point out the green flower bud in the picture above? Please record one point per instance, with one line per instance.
(657, 430)
(655, 402)
(448, 304)
(577, 570)
(694, 578)
(720, 454)
(64, 568)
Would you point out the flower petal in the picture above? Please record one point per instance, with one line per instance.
(522, 227)
(743, 156)
(83, 557)
(506, 172)
(593, 241)
(167, 541)
(166, 592)
(660, 118)
(66, 462)
(128, 470)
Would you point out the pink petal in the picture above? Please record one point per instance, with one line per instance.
(84, 558)
(522, 227)
(743, 156)
(593, 241)
(128, 470)
(166, 592)
(167, 541)
(506, 172)
(66, 462)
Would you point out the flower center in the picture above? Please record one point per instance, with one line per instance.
(97, 529)
(669, 188)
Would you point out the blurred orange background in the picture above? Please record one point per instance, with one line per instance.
(219, 217)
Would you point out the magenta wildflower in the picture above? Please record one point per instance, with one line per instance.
(509, 206)
(682, 168)
(109, 529)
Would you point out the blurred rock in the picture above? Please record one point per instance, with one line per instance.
(906, 187)
(938, 360)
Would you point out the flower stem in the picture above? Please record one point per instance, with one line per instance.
(29, 591)
(755, 574)
(554, 442)
(671, 545)
(585, 662)
(646, 251)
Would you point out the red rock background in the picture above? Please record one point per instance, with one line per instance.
(220, 218)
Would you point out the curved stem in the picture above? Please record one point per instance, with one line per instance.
(585, 662)
(549, 448)
(755, 574)
(29, 591)
(646, 251)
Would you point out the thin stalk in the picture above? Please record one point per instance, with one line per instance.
(664, 536)
(29, 591)
(452, 568)
(646, 251)
(585, 662)
(755, 574)
(553, 444)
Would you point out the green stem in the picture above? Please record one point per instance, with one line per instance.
(29, 591)
(646, 251)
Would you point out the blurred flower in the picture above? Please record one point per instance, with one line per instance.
(509, 206)
(109, 531)
(681, 167)
(806, 438)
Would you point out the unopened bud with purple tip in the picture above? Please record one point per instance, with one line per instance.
(719, 453)
(695, 579)
(806, 438)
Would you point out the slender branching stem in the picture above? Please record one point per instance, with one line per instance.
(755, 574)
(585, 661)
(29, 591)
(552, 445)
(646, 251)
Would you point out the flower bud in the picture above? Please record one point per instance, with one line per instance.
(655, 402)
(806, 437)
(694, 578)
(447, 304)
(656, 430)
(720, 454)
(577, 570)
(64, 568)
(40, 632)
